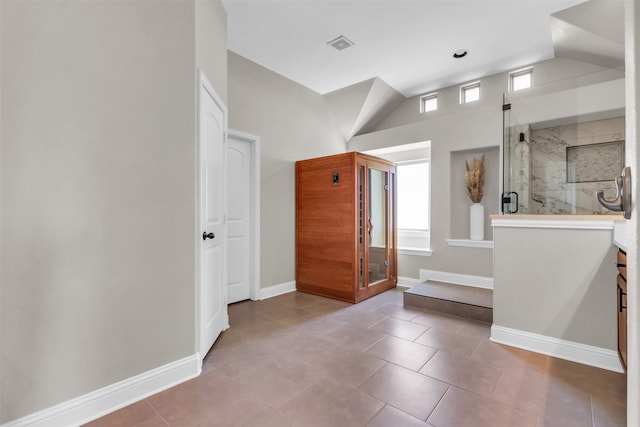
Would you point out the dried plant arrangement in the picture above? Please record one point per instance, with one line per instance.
(474, 176)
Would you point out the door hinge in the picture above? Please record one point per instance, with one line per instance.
(386, 188)
(386, 263)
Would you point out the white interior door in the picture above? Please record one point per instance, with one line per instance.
(239, 260)
(212, 233)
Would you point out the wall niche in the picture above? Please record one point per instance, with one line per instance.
(460, 201)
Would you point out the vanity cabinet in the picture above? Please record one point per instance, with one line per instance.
(345, 226)
(622, 306)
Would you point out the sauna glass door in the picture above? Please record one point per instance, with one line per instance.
(377, 226)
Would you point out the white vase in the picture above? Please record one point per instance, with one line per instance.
(476, 222)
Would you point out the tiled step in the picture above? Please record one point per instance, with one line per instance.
(464, 301)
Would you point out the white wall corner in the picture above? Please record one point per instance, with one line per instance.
(279, 289)
(98, 403)
(457, 279)
(568, 350)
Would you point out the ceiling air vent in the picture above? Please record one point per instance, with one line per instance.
(341, 43)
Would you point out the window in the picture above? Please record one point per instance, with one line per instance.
(413, 188)
(429, 102)
(413, 181)
(470, 93)
(520, 79)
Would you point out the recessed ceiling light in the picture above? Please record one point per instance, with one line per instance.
(340, 43)
(460, 53)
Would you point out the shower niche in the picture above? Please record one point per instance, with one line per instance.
(345, 226)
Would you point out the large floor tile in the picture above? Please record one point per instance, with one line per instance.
(347, 366)
(361, 317)
(508, 358)
(400, 328)
(249, 411)
(355, 337)
(409, 391)
(319, 359)
(460, 408)
(608, 412)
(134, 415)
(461, 344)
(538, 392)
(598, 382)
(475, 328)
(402, 352)
(462, 372)
(199, 400)
(392, 417)
(278, 381)
(442, 321)
(399, 311)
(329, 403)
(240, 358)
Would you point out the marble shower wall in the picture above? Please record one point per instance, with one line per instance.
(550, 193)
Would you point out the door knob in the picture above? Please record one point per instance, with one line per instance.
(206, 235)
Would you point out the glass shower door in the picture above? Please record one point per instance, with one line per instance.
(516, 171)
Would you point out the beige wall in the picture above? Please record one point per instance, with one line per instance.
(476, 127)
(211, 43)
(293, 123)
(558, 283)
(452, 128)
(97, 193)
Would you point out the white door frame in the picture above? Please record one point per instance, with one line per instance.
(254, 241)
(203, 83)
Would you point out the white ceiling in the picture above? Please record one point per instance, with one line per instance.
(408, 44)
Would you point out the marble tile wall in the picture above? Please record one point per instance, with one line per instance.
(550, 193)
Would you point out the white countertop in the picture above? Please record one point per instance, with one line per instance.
(593, 222)
(620, 234)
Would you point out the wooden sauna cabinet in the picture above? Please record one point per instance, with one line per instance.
(346, 244)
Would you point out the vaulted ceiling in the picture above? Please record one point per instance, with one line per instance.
(403, 48)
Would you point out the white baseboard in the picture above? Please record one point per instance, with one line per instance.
(96, 404)
(408, 281)
(279, 289)
(458, 279)
(562, 349)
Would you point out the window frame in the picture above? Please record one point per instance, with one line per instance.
(467, 87)
(411, 233)
(518, 73)
(423, 102)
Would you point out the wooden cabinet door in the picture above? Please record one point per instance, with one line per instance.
(622, 319)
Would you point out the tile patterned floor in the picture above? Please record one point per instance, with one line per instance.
(301, 360)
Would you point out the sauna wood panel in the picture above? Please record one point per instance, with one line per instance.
(327, 258)
(622, 263)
